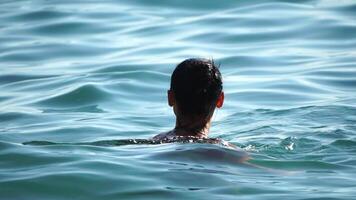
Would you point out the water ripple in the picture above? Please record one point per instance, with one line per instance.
(82, 95)
(79, 71)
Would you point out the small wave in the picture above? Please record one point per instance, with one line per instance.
(299, 112)
(349, 9)
(344, 143)
(69, 28)
(341, 83)
(270, 97)
(89, 109)
(10, 116)
(39, 15)
(84, 95)
(12, 78)
(133, 142)
(297, 164)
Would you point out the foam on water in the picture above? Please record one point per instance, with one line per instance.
(81, 75)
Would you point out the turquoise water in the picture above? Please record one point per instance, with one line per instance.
(78, 72)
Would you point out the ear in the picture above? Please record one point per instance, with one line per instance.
(220, 101)
(171, 98)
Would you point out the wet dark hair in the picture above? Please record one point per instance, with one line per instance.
(196, 84)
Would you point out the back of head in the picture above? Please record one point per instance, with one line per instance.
(196, 84)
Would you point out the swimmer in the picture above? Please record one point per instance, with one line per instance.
(196, 90)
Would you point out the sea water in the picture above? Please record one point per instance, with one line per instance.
(76, 73)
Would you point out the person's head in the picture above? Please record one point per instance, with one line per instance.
(196, 88)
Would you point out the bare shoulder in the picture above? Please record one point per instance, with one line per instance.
(162, 136)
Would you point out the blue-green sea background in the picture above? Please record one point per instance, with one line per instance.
(85, 71)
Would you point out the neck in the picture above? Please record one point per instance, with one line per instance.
(192, 127)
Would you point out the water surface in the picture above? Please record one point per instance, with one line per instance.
(75, 72)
